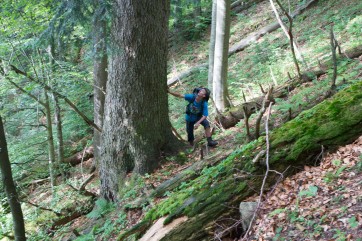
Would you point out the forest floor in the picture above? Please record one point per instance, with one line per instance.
(321, 202)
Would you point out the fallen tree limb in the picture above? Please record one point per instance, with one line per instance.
(235, 114)
(239, 46)
(268, 29)
(43, 208)
(216, 194)
(186, 73)
(80, 156)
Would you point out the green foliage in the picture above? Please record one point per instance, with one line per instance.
(102, 208)
(339, 235)
(277, 211)
(311, 192)
(353, 223)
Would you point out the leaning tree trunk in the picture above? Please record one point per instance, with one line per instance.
(99, 75)
(10, 190)
(136, 127)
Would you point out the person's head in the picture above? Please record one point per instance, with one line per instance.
(202, 93)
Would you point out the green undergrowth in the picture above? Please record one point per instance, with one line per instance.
(321, 125)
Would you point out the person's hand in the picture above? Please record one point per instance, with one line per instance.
(196, 126)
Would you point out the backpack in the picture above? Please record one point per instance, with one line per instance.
(195, 92)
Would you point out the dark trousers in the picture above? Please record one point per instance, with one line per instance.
(190, 128)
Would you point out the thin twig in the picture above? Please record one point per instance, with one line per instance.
(266, 173)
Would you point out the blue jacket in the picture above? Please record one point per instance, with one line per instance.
(196, 108)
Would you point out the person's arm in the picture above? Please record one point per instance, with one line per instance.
(197, 124)
(175, 94)
(205, 113)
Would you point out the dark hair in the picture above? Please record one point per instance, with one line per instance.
(207, 95)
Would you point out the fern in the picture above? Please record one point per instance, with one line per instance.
(102, 207)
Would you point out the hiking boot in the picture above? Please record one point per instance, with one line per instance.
(211, 142)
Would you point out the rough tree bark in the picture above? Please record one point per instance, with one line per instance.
(10, 189)
(136, 128)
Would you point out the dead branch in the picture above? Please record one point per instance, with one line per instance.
(88, 180)
(79, 156)
(174, 131)
(43, 208)
(334, 58)
(266, 172)
(261, 112)
(83, 192)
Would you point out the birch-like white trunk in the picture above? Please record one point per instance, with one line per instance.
(221, 55)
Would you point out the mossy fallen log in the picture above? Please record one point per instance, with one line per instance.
(216, 194)
(189, 173)
(231, 117)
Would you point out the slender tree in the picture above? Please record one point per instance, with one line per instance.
(10, 190)
(51, 148)
(220, 91)
(99, 73)
(136, 127)
(212, 45)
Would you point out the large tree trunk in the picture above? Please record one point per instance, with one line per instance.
(99, 75)
(221, 55)
(9, 186)
(136, 127)
(216, 194)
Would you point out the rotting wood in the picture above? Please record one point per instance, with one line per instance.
(79, 156)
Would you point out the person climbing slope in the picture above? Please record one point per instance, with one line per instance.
(196, 113)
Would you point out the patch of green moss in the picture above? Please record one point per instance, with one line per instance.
(328, 120)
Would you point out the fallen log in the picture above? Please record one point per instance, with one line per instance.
(239, 6)
(239, 46)
(80, 156)
(188, 174)
(216, 194)
(235, 114)
(268, 29)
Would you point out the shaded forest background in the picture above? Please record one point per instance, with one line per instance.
(51, 209)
